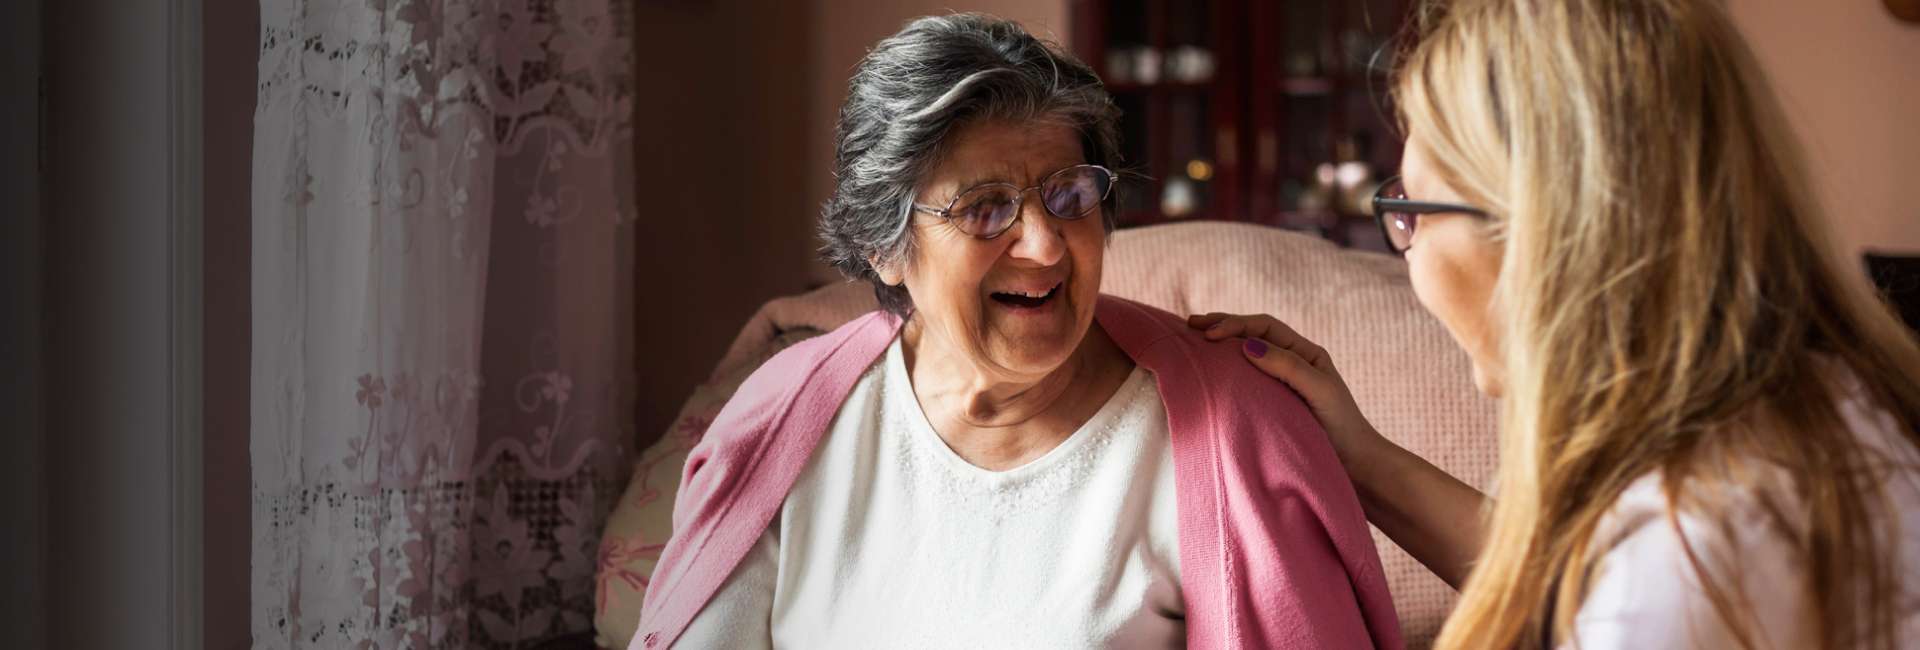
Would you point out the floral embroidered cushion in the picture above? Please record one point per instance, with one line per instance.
(640, 524)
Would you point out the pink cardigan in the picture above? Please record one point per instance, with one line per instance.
(1274, 549)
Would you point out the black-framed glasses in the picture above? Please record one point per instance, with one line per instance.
(990, 209)
(1398, 215)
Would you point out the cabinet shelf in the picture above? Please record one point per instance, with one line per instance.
(1292, 85)
(1307, 86)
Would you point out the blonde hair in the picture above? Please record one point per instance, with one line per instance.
(1666, 275)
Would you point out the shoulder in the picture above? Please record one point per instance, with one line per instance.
(1254, 466)
(1163, 342)
(1656, 543)
(799, 389)
(1656, 556)
(847, 350)
(1252, 428)
(1649, 520)
(1753, 499)
(1211, 390)
(799, 386)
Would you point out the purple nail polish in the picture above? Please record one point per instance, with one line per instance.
(1256, 348)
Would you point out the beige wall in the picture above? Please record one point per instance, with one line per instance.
(720, 122)
(1849, 75)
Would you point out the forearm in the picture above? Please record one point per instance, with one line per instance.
(1437, 518)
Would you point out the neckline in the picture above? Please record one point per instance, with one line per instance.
(1103, 421)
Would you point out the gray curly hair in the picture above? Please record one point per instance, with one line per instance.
(914, 89)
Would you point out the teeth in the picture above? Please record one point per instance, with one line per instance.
(1033, 294)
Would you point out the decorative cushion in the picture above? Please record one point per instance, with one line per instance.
(1409, 377)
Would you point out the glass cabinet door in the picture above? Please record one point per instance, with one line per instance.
(1162, 61)
(1271, 111)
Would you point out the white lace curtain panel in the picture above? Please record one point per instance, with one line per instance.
(442, 378)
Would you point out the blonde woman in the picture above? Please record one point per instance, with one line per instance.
(1709, 426)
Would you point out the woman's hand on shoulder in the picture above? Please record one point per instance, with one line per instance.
(1284, 354)
(1431, 514)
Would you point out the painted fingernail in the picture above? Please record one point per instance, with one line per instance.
(1256, 348)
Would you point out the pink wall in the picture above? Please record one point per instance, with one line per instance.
(1849, 75)
(721, 161)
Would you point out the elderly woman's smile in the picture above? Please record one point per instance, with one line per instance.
(1031, 301)
(1027, 300)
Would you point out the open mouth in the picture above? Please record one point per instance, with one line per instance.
(1027, 299)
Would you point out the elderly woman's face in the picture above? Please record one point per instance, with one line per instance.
(1019, 304)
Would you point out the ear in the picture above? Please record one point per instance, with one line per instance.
(888, 272)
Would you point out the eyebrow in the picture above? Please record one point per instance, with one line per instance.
(999, 176)
(981, 179)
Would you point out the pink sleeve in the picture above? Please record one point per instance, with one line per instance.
(738, 475)
(1314, 576)
(1305, 598)
(713, 495)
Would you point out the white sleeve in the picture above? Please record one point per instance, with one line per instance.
(740, 614)
(1646, 593)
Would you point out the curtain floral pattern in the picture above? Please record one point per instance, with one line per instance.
(443, 362)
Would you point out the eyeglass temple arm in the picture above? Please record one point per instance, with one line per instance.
(1422, 207)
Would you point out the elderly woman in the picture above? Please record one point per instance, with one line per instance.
(1003, 457)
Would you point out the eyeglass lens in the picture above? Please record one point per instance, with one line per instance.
(1070, 193)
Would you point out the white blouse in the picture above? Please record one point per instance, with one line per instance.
(890, 540)
(1646, 593)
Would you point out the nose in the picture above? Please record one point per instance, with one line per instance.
(1037, 236)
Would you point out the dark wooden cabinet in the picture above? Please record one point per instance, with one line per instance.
(1271, 112)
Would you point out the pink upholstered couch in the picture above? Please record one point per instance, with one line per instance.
(1406, 374)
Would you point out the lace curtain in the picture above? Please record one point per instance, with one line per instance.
(442, 378)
